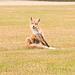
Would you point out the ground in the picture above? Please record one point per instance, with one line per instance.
(58, 25)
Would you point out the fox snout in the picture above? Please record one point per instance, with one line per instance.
(33, 26)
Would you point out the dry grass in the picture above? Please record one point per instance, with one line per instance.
(58, 24)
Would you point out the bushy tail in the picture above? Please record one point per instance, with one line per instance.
(39, 46)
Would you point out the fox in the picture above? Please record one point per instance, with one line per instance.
(36, 40)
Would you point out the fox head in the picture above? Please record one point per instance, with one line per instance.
(34, 23)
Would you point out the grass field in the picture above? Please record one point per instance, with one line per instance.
(58, 25)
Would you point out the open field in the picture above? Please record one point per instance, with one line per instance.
(58, 25)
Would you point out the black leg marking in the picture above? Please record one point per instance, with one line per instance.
(43, 44)
(46, 43)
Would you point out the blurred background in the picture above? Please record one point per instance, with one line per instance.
(37, 0)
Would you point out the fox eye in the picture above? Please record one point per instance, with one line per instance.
(31, 23)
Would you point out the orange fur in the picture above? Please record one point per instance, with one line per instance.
(33, 41)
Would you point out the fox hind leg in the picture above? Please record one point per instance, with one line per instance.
(28, 42)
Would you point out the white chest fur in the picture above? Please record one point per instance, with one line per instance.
(36, 32)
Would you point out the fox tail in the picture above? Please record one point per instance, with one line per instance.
(39, 46)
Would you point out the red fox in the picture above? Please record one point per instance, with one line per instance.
(37, 36)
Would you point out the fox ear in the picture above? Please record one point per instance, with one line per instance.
(38, 20)
(31, 19)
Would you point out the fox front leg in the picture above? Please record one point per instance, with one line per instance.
(40, 36)
(46, 43)
(43, 44)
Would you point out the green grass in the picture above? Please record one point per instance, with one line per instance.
(58, 25)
